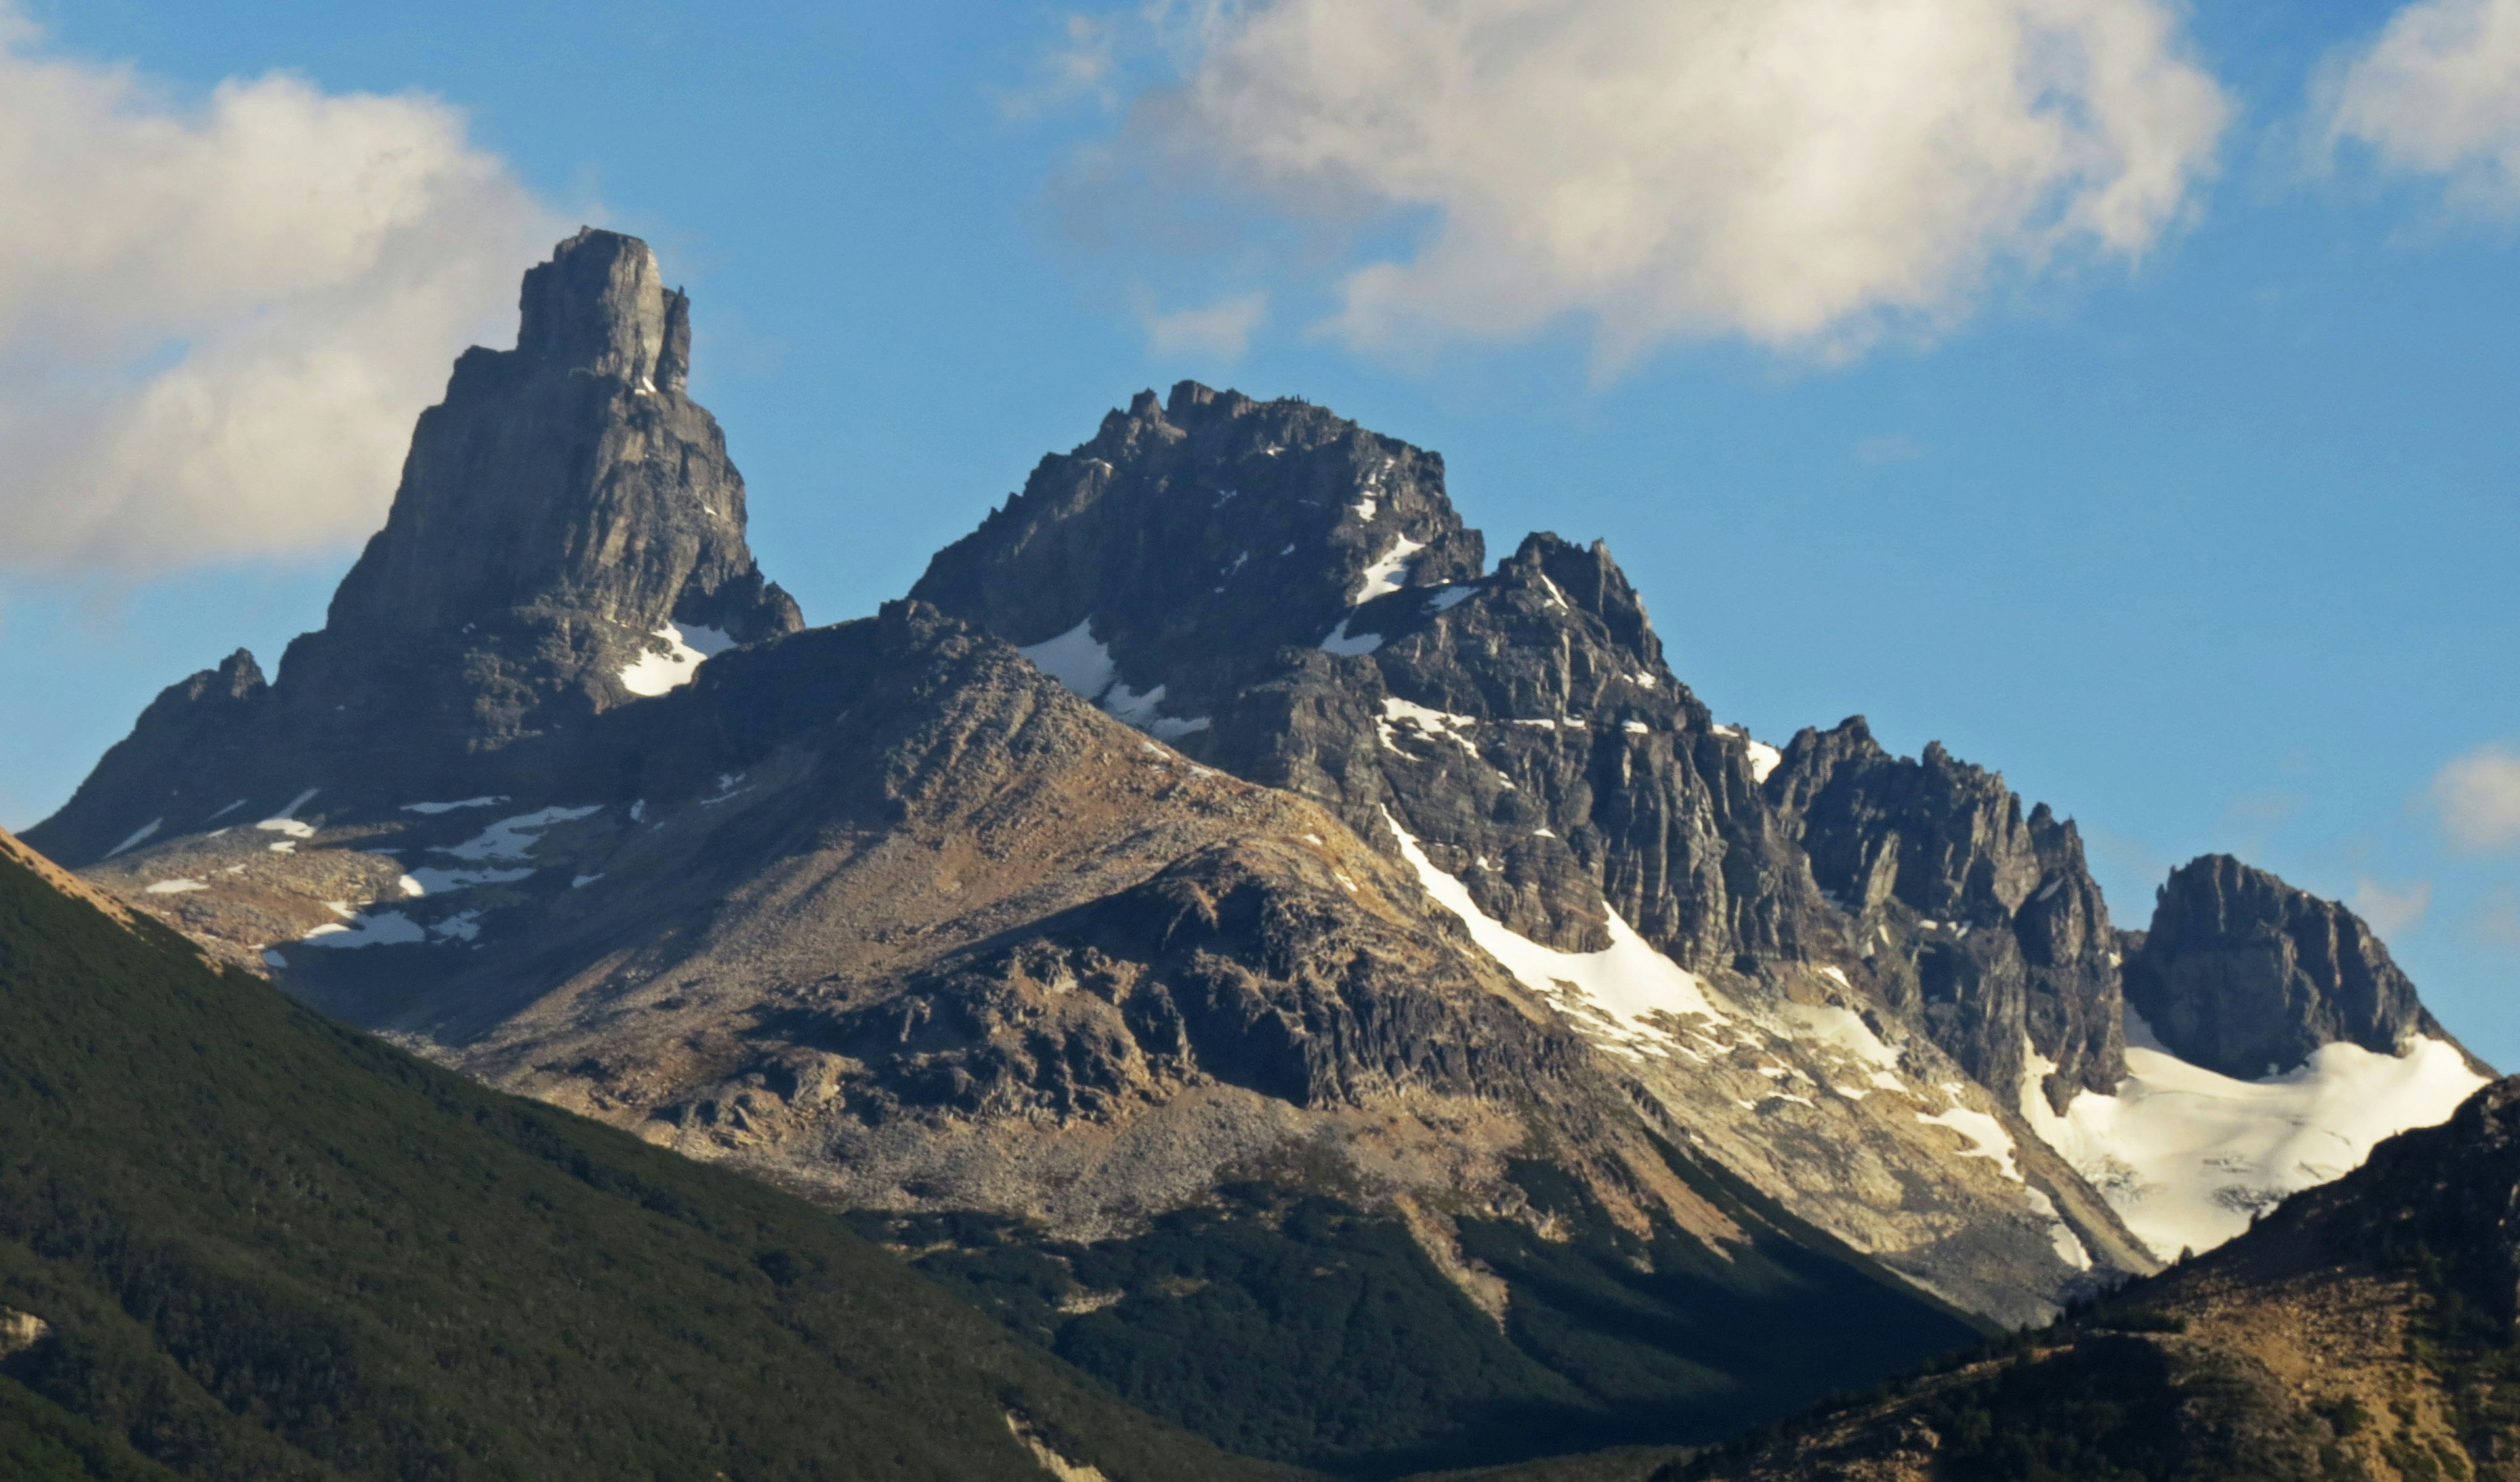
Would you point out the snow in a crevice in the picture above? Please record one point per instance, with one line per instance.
(2060, 1235)
(512, 838)
(1390, 572)
(1446, 599)
(687, 648)
(285, 820)
(1763, 759)
(1079, 661)
(224, 812)
(2186, 1156)
(1628, 993)
(469, 802)
(139, 836)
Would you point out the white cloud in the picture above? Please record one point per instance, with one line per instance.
(219, 319)
(2389, 910)
(1803, 173)
(2479, 798)
(2438, 93)
(1220, 331)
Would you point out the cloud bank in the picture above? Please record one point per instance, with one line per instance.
(2438, 93)
(1804, 174)
(220, 318)
(2479, 798)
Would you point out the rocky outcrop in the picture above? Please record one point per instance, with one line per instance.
(1981, 923)
(2245, 974)
(567, 513)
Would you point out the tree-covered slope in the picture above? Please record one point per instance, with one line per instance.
(237, 1241)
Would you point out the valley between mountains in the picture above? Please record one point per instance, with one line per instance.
(1342, 992)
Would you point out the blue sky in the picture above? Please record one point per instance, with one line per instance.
(2205, 534)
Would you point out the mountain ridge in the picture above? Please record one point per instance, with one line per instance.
(1211, 816)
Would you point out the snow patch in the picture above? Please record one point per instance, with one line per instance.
(177, 887)
(1364, 508)
(431, 880)
(1388, 574)
(652, 673)
(1985, 1136)
(1627, 993)
(381, 928)
(1430, 723)
(2068, 1246)
(1347, 646)
(285, 820)
(139, 836)
(462, 926)
(1763, 760)
(224, 812)
(2186, 1156)
(434, 808)
(580, 883)
(1446, 599)
(512, 838)
(1077, 659)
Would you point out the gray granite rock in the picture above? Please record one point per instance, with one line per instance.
(2245, 974)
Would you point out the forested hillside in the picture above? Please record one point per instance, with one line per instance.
(239, 1242)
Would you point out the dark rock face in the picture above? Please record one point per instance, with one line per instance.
(2245, 974)
(1287, 595)
(2006, 942)
(562, 505)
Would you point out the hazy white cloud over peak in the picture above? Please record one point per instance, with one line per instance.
(2391, 910)
(1801, 173)
(2438, 93)
(2479, 798)
(1220, 331)
(220, 317)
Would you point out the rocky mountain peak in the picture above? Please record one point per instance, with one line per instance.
(600, 306)
(569, 474)
(2247, 975)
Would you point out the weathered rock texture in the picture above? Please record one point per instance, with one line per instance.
(2245, 974)
(564, 504)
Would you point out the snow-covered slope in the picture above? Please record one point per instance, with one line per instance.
(2188, 1157)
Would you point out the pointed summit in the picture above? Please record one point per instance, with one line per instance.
(571, 474)
(568, 538)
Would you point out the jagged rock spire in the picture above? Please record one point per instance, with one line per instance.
(571, 474)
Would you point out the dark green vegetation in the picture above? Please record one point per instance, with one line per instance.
(266, 1247)
(1297, 1326)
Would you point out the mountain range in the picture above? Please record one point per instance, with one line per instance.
(1350, 999)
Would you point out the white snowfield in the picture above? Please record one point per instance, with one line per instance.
(652, 673)
(2186, 1156)
(1628, 992)
(1080, 661)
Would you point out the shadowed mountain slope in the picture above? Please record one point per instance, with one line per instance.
(238, 1241)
